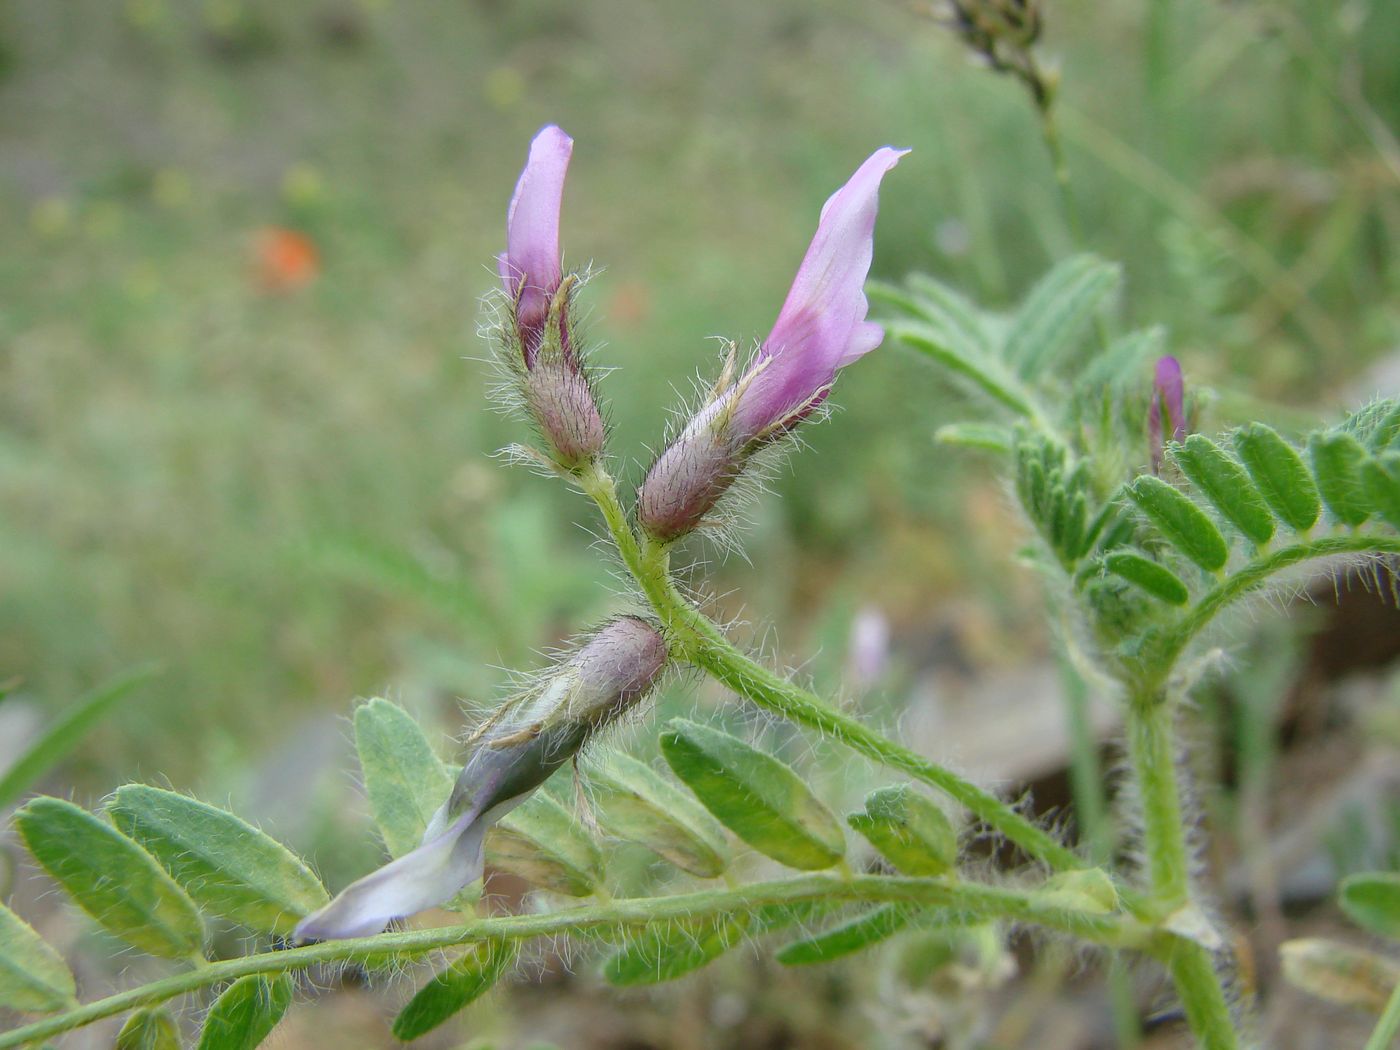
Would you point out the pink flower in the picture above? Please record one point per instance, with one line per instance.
(538, 346)
(820, 329)
(529, 267)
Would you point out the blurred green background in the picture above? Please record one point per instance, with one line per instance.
(288, 497)
(281, 485)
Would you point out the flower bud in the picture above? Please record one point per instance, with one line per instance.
(820, 329)
(540, 350)
(511, 755)
(1168, 408)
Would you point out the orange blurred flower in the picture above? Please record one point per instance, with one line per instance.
(284, 259)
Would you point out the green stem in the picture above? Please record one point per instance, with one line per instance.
(1383, 1035)
(696, 639)
(970, 901)
(1152, 748)
(1202, 995)
(1169, 646)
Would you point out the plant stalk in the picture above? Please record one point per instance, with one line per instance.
(967, 901)
(698, 640)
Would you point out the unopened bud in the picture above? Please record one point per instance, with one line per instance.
(539, 347)
(512, 754)
(1168, 412)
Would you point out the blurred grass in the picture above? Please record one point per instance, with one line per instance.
(288, 499)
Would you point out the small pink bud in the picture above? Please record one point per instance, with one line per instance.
(820, 329)
(1168, 407)
(542, 353)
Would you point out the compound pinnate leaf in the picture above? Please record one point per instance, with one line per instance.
(1381, 477)
(111, 878)
(247, 1011)
(149, 1029)
(1058, 311)
(754, 795)
(849, 937)
(665, 951)
(1183, 524)
(1280, 473)
(909, 830)
(1337, 459)
(32, 976)
(1226, 484)
(405, 780)
(541, 842)
(1152, 577)
(455, 987)
(637, 804)
(224, 864)
(1372, 900)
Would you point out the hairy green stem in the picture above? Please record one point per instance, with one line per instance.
(969, 902)
(1152, 749)
(698, 640)
(1202, 995)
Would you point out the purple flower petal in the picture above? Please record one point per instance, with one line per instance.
(822, 325)
(529, 269)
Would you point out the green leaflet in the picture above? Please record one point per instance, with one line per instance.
(1377, 426)
(224, 864)
(111, 878)
(1381, 477)
(1122, 364)
(1057, 312)
(1152, 577)
(455, 987)
(1337, 459)
(73, 724)
(1052, 488)
(1339, 972)
(1224, 482)
(909, 830)
(32, 976)
(987, 374)
(405, 781)
(847, 938)
(541, 842)
(637, 804)
(246, 1012)
(754, 795)
(944, 305)
(1372, 900)
(1183, 524)
(1281, 475)
(985, 436)
(149, 1029)
(667, 950)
